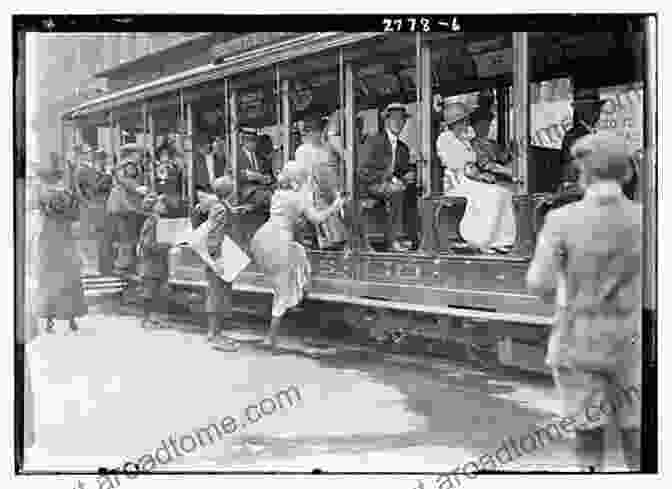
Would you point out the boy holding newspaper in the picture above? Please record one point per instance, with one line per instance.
(218, 303)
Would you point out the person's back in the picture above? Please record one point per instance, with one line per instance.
(588, 257)
(602, 239)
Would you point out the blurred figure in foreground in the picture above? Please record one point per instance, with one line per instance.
(588, 260)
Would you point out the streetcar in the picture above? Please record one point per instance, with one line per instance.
(439, 288)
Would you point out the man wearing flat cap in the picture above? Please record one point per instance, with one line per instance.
(254, 176)
(386, 174)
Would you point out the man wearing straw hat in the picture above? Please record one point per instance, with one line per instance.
(386, 174)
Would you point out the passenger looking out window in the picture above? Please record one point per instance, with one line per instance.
(488, 222)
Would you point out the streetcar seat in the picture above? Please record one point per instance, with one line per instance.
(374, 214)
(448, 213)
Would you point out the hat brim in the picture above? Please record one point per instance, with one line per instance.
(404, 112)
(453, 120)
(589, 101)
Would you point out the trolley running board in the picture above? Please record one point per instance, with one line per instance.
(399, 306)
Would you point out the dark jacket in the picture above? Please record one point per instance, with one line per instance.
(247, 187)
(201, 176)
(567, 171)
(375, 159)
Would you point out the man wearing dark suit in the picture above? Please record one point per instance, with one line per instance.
(255, 176)
(386, 174)
(587, 109)
(207, 167)
(205, 172)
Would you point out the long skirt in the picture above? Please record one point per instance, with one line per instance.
(59, 292)
(489, 220)
(333, 230)
(285, 262)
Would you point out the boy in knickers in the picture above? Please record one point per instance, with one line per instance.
(218, 303)
(153, 257)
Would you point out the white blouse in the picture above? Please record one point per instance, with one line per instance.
(453, 152)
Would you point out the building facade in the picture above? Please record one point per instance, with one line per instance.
(60, 73)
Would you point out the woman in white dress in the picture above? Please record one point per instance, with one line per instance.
(322, 162)
(274, 248)
(488, 222)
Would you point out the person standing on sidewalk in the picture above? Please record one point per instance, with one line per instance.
(588, 259)
(153, 259)
(273, 246)
(219, 298)
(124, 204)
(55, 254)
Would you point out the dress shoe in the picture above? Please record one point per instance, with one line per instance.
(396, 247)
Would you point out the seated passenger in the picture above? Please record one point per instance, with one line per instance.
(587, 109)
(488, 222)
(492, 163)
(254, 176)
(386, 174)
(209, 164)
(322, 163)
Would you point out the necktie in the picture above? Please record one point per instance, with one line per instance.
(254, 162)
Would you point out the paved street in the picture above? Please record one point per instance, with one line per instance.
(114, 391)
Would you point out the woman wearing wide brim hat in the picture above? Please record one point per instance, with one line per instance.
(457, 112)
(488, 223)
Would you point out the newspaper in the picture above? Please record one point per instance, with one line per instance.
(173, 231)
(232, 261)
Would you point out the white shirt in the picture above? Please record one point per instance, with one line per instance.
(210, 165)
(312, 156)
(394, 139)
(253, 159)
(453, 152)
